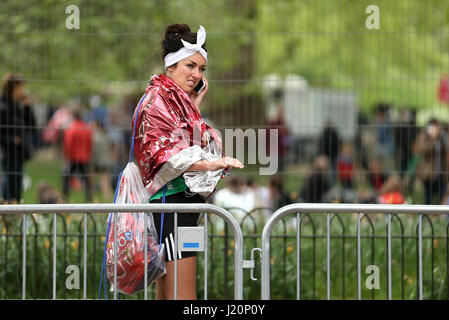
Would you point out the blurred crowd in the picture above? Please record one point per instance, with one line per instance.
(89, 137)
(391, 159)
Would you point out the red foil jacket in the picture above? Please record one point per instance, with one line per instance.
(168, 122)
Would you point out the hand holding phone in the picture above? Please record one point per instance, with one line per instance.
(200, 86)
(199, 91)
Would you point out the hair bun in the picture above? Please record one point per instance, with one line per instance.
(176, 30)
(172, 38)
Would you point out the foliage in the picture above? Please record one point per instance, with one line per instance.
(327, 43)
(117, 47)
(118, 42)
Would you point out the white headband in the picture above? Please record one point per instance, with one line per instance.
(188, 50)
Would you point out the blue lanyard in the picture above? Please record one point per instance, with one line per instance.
(131, 159)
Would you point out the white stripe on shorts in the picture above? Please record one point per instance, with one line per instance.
(170, 246)
(167, 245)
(173, 248)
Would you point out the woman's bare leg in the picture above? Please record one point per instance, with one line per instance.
(186, 280)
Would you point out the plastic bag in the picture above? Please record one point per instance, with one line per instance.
(130, 238)
(205, 182)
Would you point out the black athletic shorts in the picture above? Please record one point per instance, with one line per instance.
(184, 220)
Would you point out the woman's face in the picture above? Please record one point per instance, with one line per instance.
(188, 72)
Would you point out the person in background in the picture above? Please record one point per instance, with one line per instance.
(98, 110)
(360, 141)
(385, 136)
(17, 124)
(432, 146)
(116, 137)
(236, 195)
(101, 157)
(77, 149)
(405, 136)
(376, 174)
(47, 194)
(262, 193)
(284, 137)
(346, 166)
(278, 198)
(328, 145)
(317, 183)
(391, 192)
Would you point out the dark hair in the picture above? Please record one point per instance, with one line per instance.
(433, 120)
(234, 182)
(10, 82)
(278, 94)
(77, 114)
(382, 107)
(172, 38)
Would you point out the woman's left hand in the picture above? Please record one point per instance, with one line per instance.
(197, 98)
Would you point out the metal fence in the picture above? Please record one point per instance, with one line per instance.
(324, 248)
(333, 212)
(88, 210)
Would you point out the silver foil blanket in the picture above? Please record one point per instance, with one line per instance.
(199, 182)
(204, 183)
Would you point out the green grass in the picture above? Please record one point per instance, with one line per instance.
(47, 168)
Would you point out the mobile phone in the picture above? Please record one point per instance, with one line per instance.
(200, 86)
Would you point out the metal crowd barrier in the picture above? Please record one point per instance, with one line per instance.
(115, 208)
(360, 210)
(301, 211)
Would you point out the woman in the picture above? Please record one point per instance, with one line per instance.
(17, 124)
(433, 168)
(170, 139)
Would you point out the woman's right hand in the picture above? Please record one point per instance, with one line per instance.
(225, 163)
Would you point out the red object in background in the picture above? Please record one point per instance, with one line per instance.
(392, 198)
(76, 184)
(283, 142)
(443, 92)
(78, 142)
(377, 180)
(59, 121)
(345, 167)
